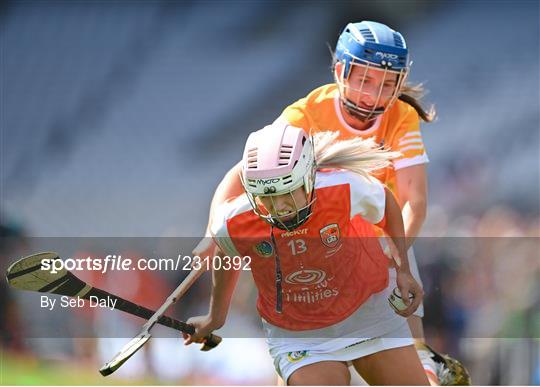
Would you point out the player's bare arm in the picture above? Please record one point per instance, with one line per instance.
(228, 188)
(412, 188)
(223, 284)
(405, 281)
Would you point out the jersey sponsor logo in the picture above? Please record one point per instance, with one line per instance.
(306, 277)
(295, 356)
(264, 249)
(306, 296)
(302, 231)
(330, 235)
(314, 286)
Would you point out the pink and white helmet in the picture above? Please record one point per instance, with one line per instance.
(279, 159)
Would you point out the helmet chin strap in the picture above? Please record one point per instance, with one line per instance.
(359, 113)
(295, 222)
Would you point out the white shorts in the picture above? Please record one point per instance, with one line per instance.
(373, 327)
(287, 363)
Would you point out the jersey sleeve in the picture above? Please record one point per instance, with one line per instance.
(408, 141)
(297, 115)
(220, 231)
(367, 198)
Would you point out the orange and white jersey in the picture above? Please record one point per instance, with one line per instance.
(398, 129)
(330, 267)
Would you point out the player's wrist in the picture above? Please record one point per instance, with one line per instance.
(215, 320)
(403, 271)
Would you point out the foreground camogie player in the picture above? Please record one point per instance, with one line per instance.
(323, 281)
(370, 98)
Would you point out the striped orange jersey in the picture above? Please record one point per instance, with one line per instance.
(329, 266)
(398, 129)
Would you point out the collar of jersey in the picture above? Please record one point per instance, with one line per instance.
(362, 133)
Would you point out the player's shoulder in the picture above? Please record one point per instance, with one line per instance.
(227, 211)
(329, 178)
(366, 195)
(322, 94)
(401, 110)
(313, 109)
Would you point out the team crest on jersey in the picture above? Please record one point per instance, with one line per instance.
(330, 235)
(264, 249)
(295, 356)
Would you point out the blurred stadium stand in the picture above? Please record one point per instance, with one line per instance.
(108, 107)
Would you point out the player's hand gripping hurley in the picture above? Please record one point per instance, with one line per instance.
(134, 345)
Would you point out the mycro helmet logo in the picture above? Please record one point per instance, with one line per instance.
(267, 181)
(385, 55)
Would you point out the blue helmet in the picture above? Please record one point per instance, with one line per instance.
(372, 42)
(372, 45)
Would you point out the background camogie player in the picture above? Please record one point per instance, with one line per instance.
(370, 98)
(322, 289)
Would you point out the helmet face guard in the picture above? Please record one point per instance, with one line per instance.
(383, 96)
(372, 50)
(290, 220)
(278, 162)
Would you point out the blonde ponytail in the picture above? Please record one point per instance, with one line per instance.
(361, 156)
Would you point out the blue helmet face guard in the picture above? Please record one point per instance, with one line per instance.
(374, 65)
